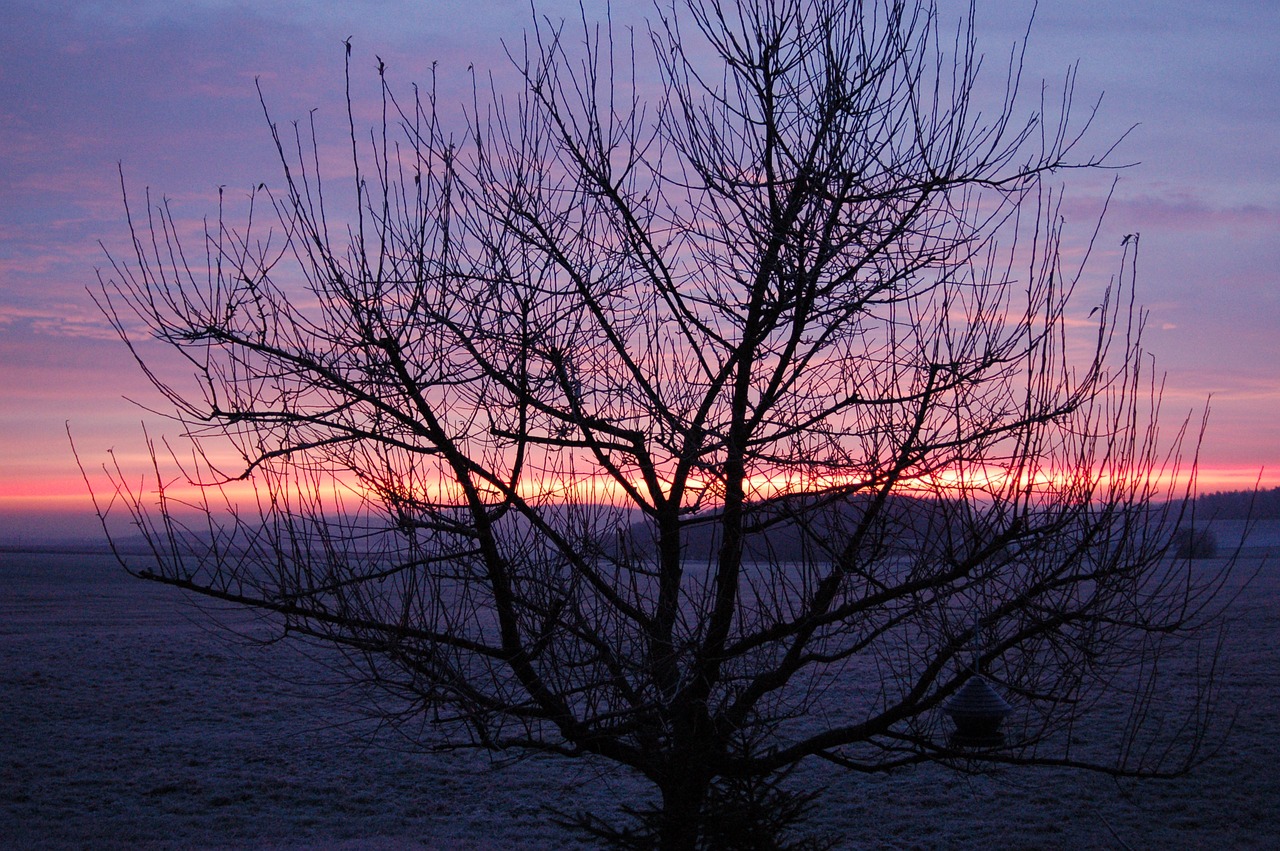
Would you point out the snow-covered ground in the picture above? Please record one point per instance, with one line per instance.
(126, 722)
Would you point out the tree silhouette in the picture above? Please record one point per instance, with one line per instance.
(709, 404)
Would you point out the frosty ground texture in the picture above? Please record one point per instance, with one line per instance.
(127, 722)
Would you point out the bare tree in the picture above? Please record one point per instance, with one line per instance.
(706, 405)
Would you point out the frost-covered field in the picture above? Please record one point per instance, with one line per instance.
(126, 722)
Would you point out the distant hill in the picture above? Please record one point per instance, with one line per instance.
(1239, 505)
(909, 523)
(790, 530)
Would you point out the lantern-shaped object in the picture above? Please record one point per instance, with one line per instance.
(977, 710)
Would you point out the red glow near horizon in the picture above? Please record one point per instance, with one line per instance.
(57, 495)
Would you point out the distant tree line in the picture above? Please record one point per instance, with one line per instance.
(1239, 505)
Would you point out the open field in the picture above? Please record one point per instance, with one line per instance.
(125, 721)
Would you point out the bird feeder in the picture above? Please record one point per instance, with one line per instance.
(977, 710)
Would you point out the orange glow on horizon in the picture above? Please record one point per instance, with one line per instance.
(64, 494)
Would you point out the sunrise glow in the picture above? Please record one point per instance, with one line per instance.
(169, 98)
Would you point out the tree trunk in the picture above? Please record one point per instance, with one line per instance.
(682, 798)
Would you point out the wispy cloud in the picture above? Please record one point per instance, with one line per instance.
(60, 320)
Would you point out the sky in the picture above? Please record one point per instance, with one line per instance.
(165, 93)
